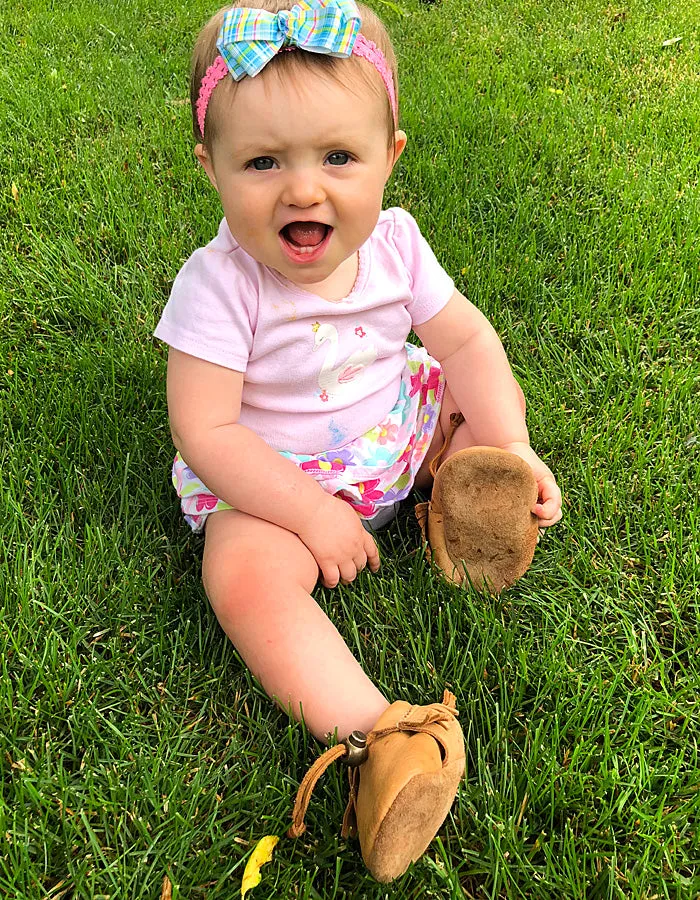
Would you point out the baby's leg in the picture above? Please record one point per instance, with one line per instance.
(258, 578)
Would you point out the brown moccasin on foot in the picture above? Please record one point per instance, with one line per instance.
(478, 522)
(403, 777)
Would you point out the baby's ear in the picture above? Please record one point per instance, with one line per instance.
(400, 140)
(204, 159)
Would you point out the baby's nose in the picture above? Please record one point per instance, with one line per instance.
(303, 188)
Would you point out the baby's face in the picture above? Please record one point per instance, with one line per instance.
(300, 168)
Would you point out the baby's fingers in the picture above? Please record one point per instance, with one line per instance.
(348, 571)
(548, 509)
(372, 552)
(547, 514)
(330, 576)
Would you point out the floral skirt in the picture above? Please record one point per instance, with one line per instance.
(372, 472)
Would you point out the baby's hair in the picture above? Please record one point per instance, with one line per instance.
(340, 70)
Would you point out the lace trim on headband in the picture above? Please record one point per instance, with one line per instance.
(216, 71)
(368, 50)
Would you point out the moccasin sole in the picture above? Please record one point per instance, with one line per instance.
(412, 821)
(479, 523)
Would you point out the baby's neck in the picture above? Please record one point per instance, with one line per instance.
(339, 284)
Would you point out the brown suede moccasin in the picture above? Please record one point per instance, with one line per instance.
(403, 777)
(478, 523)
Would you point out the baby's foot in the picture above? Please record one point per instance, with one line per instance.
(402, 783)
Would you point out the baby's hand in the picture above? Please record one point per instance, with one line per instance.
(548, 506)
(339, 543)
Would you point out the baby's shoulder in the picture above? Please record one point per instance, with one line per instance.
(398, 236)
(397, 230)
(221, 269)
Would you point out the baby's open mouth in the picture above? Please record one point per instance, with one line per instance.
(305, 237)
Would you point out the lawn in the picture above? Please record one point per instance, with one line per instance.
(553, 163)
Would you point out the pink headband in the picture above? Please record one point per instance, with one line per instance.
(362, 47)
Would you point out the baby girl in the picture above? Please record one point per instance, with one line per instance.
(301, 414)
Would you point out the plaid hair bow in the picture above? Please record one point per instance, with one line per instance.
(250, 38)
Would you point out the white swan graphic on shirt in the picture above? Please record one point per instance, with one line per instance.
(332, 379)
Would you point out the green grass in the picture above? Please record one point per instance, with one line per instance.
(553, 162)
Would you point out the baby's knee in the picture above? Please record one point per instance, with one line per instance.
(230, 581)
(236, 578)
(233, 581)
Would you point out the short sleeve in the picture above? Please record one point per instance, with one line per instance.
(431, 286)
(212, 310)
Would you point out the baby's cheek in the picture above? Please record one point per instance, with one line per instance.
(246, 212)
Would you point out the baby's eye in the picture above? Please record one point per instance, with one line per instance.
(261, 163)
(339, 158)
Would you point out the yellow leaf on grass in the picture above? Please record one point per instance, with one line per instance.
(15, 192)
(260, 855)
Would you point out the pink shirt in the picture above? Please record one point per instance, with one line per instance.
(317, 373)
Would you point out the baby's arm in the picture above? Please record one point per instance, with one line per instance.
(204, 403)
(481, 381)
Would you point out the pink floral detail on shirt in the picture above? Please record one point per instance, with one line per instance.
(360, 332)
(324, 396)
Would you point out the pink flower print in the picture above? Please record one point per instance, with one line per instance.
(421, 448)
(367, 489)
(324, 396)
(349, 499)
(365, 507)
(431, 384)
(406, 455)
(322, 466)
(360, 332)
(417, 381)
(387, 433)
(206, 501)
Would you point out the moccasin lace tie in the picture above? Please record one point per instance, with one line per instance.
(456, 420)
